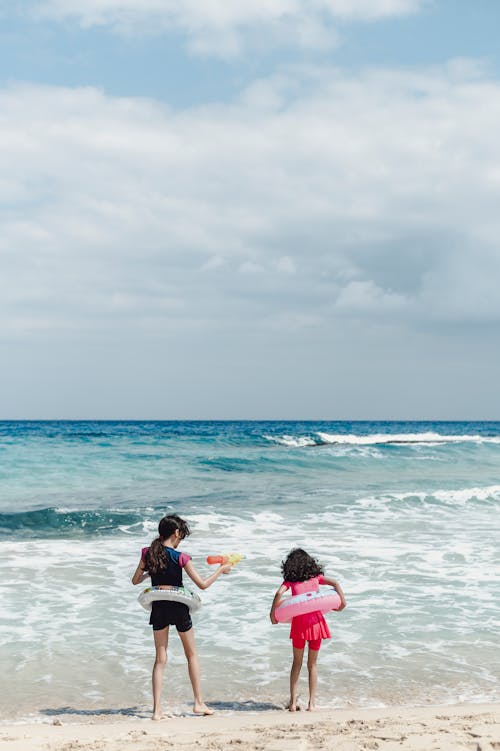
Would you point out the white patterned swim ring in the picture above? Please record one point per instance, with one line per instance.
(172, 594)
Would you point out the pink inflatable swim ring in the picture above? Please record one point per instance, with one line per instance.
(323, 600)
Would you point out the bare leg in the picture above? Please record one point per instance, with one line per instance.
(312, 659)
(161, 643)
(189, 644)
(298, 655)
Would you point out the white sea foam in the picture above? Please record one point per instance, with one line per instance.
(404, 438)
(460, 496)
(429, 438)
(292, 441)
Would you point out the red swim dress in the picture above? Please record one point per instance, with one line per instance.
(309, 626)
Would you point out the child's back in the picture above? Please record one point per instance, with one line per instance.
(303, 574)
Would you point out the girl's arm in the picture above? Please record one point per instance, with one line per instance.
(337, 588)
(205, 583)
(276, 602)
(140, 573)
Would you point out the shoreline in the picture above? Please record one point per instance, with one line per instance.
(471, 727)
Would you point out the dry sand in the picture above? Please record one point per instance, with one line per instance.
(470, 727)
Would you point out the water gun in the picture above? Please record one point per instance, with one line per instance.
(231, 558)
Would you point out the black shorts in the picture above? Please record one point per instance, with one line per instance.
(165, 614)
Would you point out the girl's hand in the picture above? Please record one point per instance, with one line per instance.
(276, 602)
(337, 588)
(205, 583)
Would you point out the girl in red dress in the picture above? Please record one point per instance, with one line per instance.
(302, 573)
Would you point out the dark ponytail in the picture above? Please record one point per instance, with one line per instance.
(156, 558)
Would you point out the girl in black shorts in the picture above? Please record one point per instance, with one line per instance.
(164, 564)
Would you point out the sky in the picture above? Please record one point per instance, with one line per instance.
(256, 209)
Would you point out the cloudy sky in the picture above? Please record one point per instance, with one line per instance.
(249, 209)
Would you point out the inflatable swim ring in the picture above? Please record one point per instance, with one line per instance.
(172, 594)
(322, 600)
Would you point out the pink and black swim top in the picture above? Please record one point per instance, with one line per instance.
(172, 574)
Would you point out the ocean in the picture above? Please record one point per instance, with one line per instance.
(404, 514)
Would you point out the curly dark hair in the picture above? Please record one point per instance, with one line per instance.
(156, 557)
(299, 566)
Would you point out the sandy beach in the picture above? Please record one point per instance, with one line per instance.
(447, 728)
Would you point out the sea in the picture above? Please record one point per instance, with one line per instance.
(405, 515)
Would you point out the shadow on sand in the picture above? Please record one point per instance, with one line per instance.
(244, 706)
(220, 706)
(121, 711)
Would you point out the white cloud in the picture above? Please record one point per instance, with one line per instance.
(366, 298)
(372, 9)
(286, 265)
(213, 263)
(249, 267)
(220, 27)
(349, 195)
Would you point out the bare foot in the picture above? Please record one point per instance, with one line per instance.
(158, 716)
(202, 709)
(293, 707)
(311, 708)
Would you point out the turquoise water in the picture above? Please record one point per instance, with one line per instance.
(405, 515)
